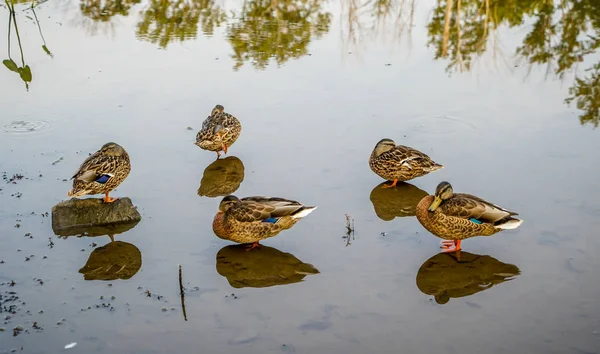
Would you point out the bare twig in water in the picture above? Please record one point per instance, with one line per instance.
(182, 294)
(349, 230)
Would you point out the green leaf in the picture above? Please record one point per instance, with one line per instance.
(26, 74)
(11, 65)
(47, 50)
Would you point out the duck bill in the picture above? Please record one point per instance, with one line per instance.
(435, 204)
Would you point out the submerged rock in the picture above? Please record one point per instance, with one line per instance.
(116, 260)
(94, 217)
(260, 267)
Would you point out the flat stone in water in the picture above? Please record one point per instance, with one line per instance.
(94, 217)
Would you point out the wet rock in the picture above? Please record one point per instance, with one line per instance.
(93, 217)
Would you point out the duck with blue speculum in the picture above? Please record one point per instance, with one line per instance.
(101, 172)
(454, 217)
(253, 219)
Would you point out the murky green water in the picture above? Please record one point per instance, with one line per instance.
(479, 86)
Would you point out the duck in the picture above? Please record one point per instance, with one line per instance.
(454, 217)
(101, 172)
(253, 219)
(219, 131)
(399, 163)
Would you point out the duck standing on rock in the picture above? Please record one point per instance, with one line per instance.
(455, 217)
(252, 219)
(101, 172)
(399, 163)
(219, 131)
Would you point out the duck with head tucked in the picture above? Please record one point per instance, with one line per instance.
(101, 172)
(399, 163)
(252, 219)
(454, 217)
(219, 131)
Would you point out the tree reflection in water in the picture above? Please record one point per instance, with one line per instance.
(165, 21)
(279, 29)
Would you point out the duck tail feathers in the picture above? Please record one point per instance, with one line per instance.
(510, 224)
(303, 212)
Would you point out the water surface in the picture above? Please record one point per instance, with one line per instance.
(480, 86)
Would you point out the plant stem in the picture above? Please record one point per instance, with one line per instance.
(38, 23)
(9, 26)
(12, 11)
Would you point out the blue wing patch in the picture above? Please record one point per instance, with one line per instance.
(475, 221)
(103, 179)
(271, 220)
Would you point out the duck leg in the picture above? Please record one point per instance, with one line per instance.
(224, 148)
(450, 246)
(218, 154)
(252, 246)
(108, 199)
(391, 185)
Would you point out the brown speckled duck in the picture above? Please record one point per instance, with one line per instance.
(219, 131)
(101, 172)
(455, 217)
(399, 163)
(252, 219)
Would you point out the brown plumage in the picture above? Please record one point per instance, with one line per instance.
(101, 172)
(219, 131)
(251, 219)
(399, 163)
(459, 216)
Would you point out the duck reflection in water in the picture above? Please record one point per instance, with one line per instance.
(263, 267)
(446, 275)
(115, 260)
(222, 177)
(401, 201)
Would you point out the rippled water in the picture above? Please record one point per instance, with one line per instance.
(315, 85)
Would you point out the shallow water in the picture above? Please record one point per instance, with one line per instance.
(314, 92)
